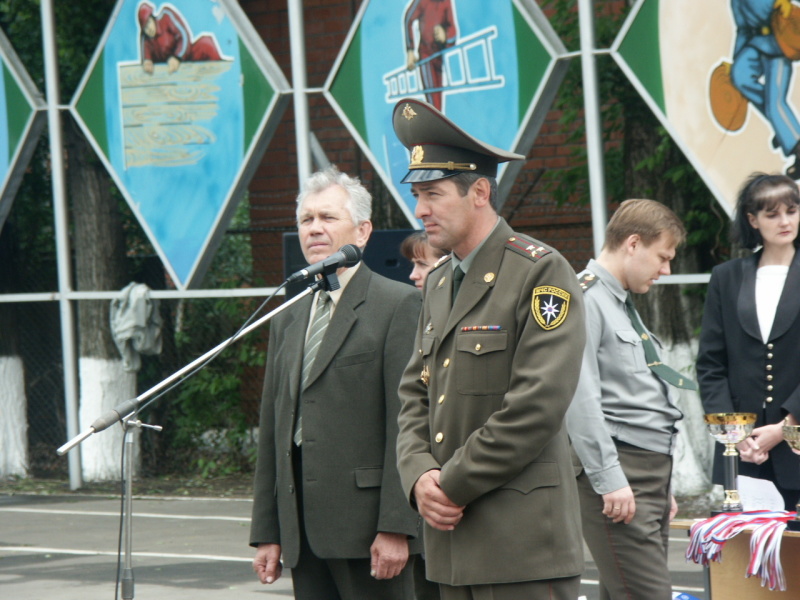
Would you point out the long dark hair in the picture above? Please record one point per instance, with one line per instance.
(761, 192)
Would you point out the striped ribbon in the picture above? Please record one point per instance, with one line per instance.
(708, 537)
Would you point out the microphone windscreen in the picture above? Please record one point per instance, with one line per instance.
(352, 254)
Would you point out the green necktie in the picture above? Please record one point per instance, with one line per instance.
(665, 372)
(458, 277)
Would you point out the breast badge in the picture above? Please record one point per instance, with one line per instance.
(425, 376)
(549, 306)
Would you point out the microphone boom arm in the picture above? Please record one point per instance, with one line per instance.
(126, 409)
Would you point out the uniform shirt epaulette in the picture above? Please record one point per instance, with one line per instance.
(527, 247)
(586, 279)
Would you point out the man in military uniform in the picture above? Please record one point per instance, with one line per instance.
(622, 419)
(482, 451)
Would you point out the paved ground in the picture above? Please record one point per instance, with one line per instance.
(65, 548)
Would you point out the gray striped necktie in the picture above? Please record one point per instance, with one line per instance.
(322, 316)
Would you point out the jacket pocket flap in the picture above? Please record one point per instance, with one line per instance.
(480, 342)
(535, 475)
(354, 359)
(629, 336)
(369, 477)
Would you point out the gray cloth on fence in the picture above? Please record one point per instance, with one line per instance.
(135, 324)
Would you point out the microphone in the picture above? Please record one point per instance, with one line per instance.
(347, 256)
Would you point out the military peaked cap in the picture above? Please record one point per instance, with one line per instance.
(440, 148)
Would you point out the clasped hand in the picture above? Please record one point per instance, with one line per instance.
(433, 504)
(756, 447)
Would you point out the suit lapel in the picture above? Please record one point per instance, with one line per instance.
(789, 303)
(295, 334)
(343, 320)
(746, 303)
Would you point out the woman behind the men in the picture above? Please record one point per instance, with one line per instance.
(750, 341)
(422, 255)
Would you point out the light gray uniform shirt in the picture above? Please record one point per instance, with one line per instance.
(618, 396)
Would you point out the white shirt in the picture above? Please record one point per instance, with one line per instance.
(769, 285)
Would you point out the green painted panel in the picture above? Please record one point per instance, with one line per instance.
(641, 51)
(532, 62)
(18, 111)
(347, 88)
(257, 93)
(92, 105)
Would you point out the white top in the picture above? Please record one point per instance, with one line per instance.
(769, 285)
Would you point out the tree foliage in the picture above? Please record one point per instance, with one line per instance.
(641, 160)
(621, 109)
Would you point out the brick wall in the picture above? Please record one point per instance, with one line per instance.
(530, 207)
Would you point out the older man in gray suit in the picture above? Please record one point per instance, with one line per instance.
(327, 491)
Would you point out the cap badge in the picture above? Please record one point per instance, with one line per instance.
(417, 154)
(408, 112)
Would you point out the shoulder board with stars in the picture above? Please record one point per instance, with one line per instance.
(527, 247)
(441, 261)
(586, 279)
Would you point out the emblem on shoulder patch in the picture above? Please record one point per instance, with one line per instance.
(549, 306)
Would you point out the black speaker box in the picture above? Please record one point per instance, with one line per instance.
(382, 255)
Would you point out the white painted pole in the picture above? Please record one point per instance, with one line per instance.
(62, 235)
(594, 129)
(299, 85)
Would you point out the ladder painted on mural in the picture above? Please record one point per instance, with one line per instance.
(467, 66)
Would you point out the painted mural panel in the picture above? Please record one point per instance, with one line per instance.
(721, 76)
(178, 101)
(21, 121)
(490, 66)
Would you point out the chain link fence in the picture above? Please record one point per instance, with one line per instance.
(208, 419)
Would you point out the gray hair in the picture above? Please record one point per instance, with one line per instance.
(359, 200)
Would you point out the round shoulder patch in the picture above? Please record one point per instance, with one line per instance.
(549, 306)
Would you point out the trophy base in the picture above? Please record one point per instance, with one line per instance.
(793, 525)
(724, 511)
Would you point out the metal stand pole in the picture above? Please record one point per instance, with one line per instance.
(126, 580)
(127, 571)
(299, 89)
(594, 126)
(68, 351)
(732, 503)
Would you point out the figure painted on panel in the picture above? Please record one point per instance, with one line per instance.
(437, 30)
(166, 38)
(761, 73)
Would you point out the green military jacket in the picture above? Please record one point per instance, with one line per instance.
(483, 399)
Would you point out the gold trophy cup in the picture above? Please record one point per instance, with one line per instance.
(730, 429)
(791, 435)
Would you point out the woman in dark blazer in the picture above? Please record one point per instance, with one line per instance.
(749, 358)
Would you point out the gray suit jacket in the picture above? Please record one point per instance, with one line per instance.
(351, 486)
